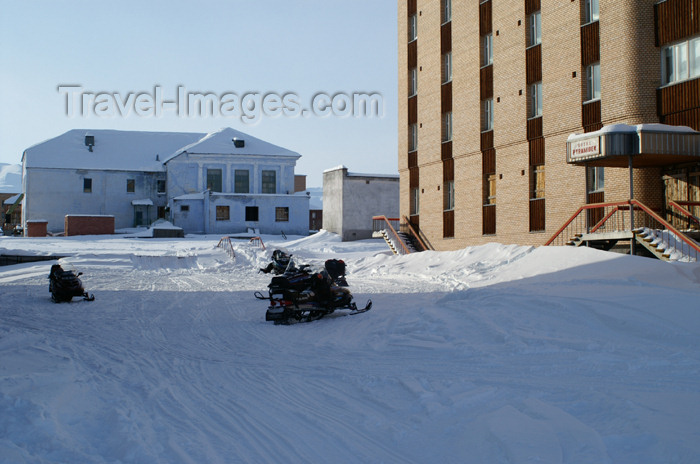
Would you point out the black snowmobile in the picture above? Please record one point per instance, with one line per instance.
(279, 264)
(64, 285)
(305, 296)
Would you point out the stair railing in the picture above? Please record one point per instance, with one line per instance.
(615, 217)
(383, 223)
(678, 206)
(257, 241)
(226, 244)
(408, 228)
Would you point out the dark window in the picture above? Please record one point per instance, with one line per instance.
(282, 214)
(222, 213)
(184, 208)
(130, 186)
(251, 213)
(242, 181)
(269, 182)
(161, 212)
(214, 180)
(160, 186)
(87, 185)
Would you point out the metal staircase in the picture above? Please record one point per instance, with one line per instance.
(605, 225)
(402, 242)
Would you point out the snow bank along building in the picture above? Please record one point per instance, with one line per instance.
(515, 113)
(222, 182)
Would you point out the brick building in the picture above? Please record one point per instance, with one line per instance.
(490, 91)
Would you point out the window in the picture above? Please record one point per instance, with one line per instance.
(446, 11)
(486, 50)
(214, 177)
(222, 213)
(487, 115)
(449, 195)
(269, 182)
(590, 11)
(412, 137)
(87, 185)
(160, 186)
(184, 208)
(413, 82)
(680, 61)
(593, 82)
(596, 179)
(446, 67)
(534, 33)
(130, 186)
(537, 182)
(412, 28)
(535, 100)
(241, 181)
(447, 126)
(251, 213)
(282, 214)
(415, 206)
(490, 189)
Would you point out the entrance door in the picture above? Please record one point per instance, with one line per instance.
(676, 190)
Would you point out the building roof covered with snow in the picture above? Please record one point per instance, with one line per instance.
(228, 141)
(106, 149)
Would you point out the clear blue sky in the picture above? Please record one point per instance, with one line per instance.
(218, 47)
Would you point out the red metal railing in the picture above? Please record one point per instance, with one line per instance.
(627, 216)
(408, 228)
(678, 206)
(380, 223)
(226, 244)
(257, 241)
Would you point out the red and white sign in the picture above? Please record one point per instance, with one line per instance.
(585, 148)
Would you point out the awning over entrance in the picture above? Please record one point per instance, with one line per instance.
(144, 202)
(644, 145)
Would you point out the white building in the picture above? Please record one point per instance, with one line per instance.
(222, 182)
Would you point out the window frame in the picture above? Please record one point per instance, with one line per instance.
(415, 201)
(223, 213)
(412, 137)
(412, 82)
(671, 73)
(87, 184)
(447, 127)
(446, 9)
(131, 186)
(538, 180)
(446, 67)
(412, 28)
(535, 108)
(159, 183)
(184, 208)
(595, 179)
(236, 180)
(211, 172)
(487, 115)
(593, 82)
(534, 29)
(591, 11)
(282, 214)
(449, 196)
(486, 50)
(267, 186)
(490, 189)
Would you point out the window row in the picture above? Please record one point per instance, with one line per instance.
(680, 61)
(223, 213)
(130, 185)
(241, 182)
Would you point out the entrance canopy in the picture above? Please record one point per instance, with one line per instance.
(644, 145)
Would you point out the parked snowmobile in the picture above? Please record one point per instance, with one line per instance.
(306, 297)
(64, 285)
(279, 264)
(336, 269)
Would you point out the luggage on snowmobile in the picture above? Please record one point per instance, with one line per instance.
(336, 269)
(307, 298)
(64, 285)
(279, 264)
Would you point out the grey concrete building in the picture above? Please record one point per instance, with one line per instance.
(351, 199)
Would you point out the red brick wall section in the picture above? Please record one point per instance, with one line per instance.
(36, 228)
(89, 225)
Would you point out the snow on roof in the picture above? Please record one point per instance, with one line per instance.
(631, 129)
(12, 199)
(114, 150)
(335, 168)
(144, 202)
(360, 174)
(190, 196)
(221, 142)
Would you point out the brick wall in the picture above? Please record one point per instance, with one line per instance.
(89, 225)
(629, 76)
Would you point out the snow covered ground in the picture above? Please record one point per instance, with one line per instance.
(491, 354)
